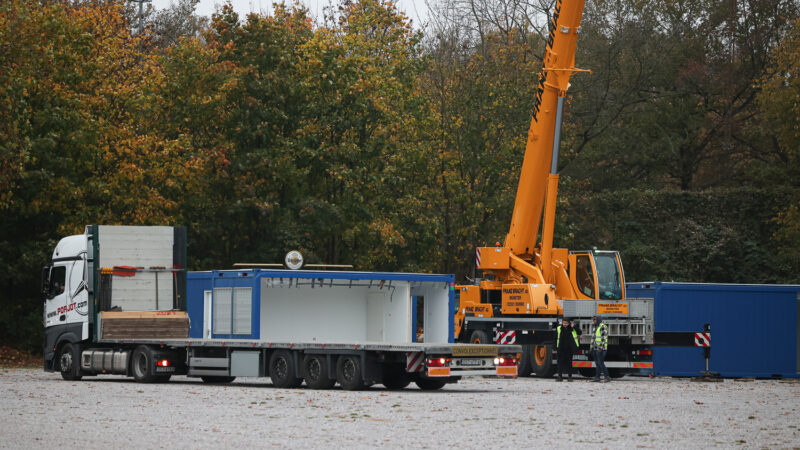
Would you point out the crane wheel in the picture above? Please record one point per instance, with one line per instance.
(479, 337)
(524, 367)
(542, 360)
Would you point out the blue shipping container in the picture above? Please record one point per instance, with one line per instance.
(755, 329)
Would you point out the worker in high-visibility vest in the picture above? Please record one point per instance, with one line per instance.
(566, 344)
(599, 349)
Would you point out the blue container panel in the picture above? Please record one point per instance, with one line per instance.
(196, 284)
(754, 329)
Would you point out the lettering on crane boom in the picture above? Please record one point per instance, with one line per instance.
(612, 308)
(543, 73)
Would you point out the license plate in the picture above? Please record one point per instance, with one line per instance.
(471, 362)
(581, 358)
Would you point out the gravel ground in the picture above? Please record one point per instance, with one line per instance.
(41, 410)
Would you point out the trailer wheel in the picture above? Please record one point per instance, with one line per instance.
(348, 372)
(429, 384)
(142, 364)
(69, 362)
(217, 379)
(282, 370)
(315, 371)
(616, 373)
(542, 360)
(524, 366)
(395, 378)
(479, 337)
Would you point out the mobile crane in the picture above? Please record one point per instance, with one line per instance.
(527, 287)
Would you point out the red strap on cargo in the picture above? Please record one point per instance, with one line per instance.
(124, 271)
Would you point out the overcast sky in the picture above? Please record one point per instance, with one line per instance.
(414, 9)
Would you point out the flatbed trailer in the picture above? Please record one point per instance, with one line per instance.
(119, 301)
(431, 366)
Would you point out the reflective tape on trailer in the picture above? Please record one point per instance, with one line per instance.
(615, 364)
(478, 257)
(414, 361)
(505, 337)
(702, 339)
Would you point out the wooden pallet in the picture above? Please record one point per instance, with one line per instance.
(144, 324)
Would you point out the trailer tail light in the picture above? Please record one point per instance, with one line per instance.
(645, 352)
(438, 362)
(163, 363)
(505, 361)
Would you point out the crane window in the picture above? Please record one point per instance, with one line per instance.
(584, 275)
(608, 276)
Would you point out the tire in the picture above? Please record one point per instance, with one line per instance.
(479, 337)
(282, 370)
(142, 365)
(524, 367)
(429, 384)
(217, 379)
(395, 378)
(348, 372)
(542, 360)
(616, 373)
(69, 362)
(315, 371)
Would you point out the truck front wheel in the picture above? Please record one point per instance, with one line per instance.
(69, 362)
(142, 364)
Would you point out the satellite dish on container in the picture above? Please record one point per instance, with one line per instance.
(294, 260)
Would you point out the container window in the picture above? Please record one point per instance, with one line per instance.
(221, 310)
(242, 310)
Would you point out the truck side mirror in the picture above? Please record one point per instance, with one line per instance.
(46, 281)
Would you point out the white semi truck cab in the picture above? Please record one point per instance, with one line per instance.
(108, 268)
(116, 303)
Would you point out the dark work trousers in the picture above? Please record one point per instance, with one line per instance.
(564, 363)
(600, 362)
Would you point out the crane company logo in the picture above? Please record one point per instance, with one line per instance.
(543, 74)
(511, 291)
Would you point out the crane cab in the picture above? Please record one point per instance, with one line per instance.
(596, 275)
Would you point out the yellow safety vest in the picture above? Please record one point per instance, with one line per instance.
(601, 341)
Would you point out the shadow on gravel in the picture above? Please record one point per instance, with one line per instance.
(267, 385)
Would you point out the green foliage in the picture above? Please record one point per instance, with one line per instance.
(356, 141)
(716, 236)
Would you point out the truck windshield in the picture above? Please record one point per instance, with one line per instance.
(608, 276)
